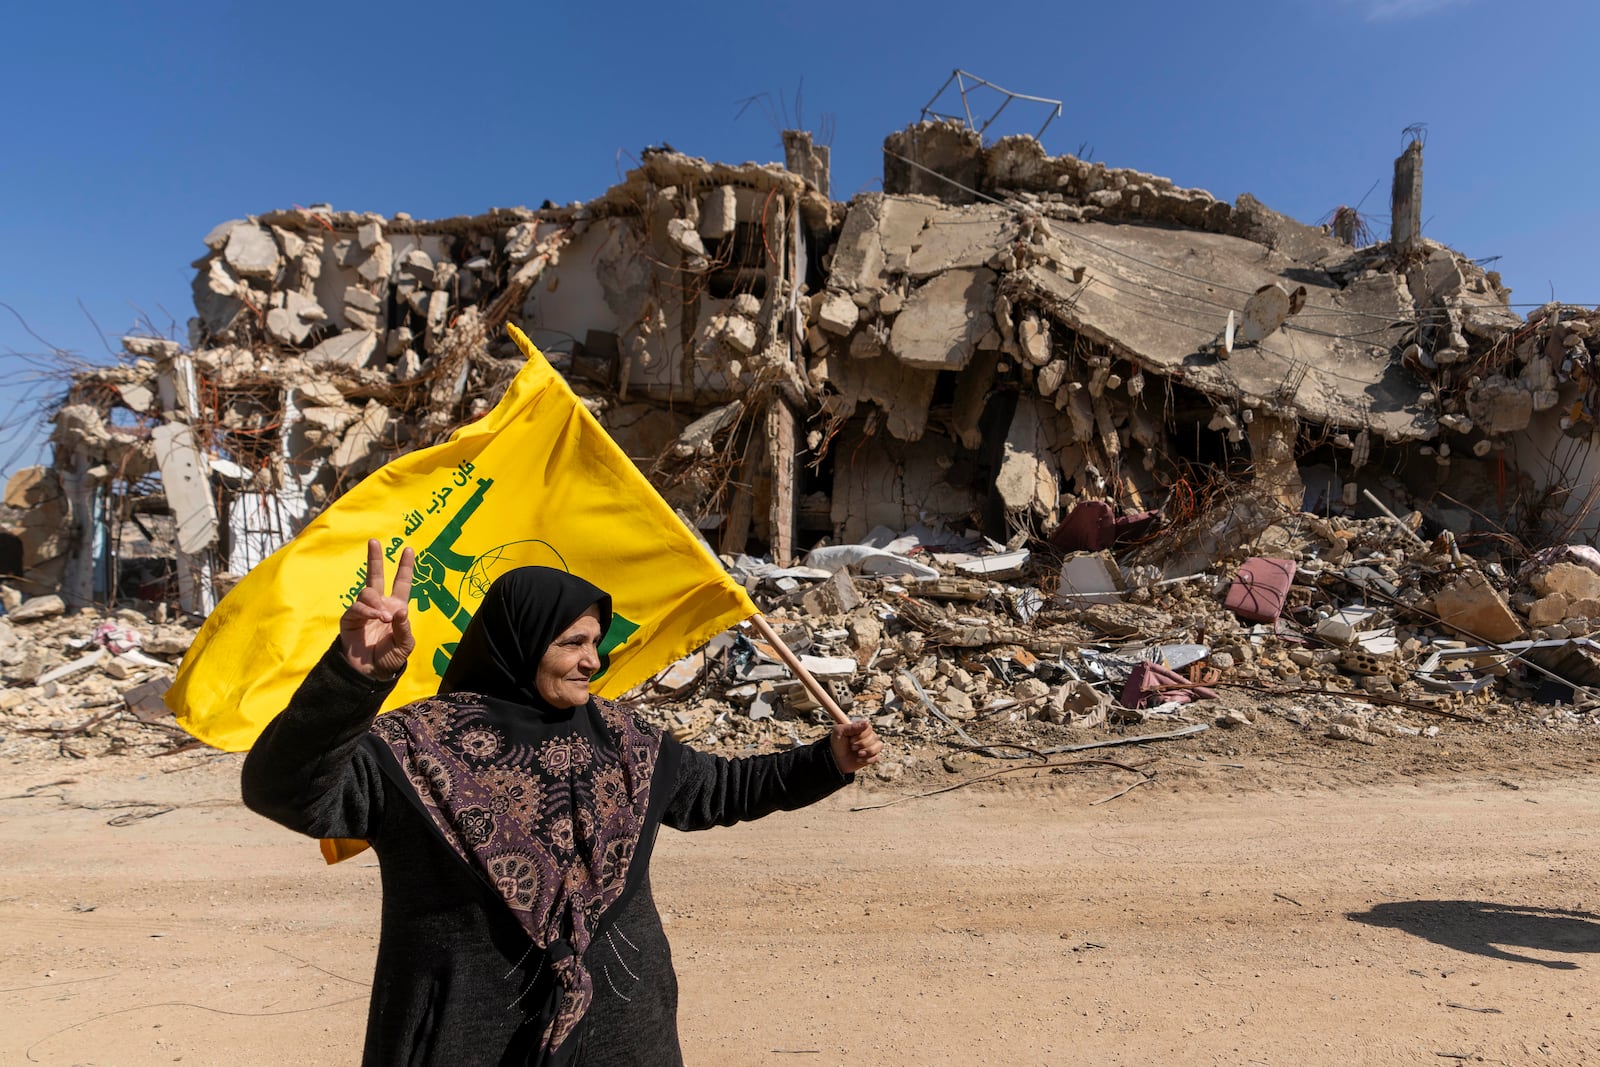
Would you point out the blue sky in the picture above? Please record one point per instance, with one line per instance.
(130, 130)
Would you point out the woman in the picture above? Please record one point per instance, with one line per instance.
(513, 816)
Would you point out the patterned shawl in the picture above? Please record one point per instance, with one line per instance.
(546, 804)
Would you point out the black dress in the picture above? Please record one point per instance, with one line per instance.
(452, 962)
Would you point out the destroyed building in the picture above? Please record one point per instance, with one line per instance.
(995, 337)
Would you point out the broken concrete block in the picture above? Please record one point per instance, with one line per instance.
(332, 420)
(1033, 334)
(438, 317)
(186, 478)
(684, 234)
(1587, 608)
(35, 609)
(1500, 405)
(251, 251)
(418, 265)
(368, 234)
(1475, 609)
(360, 299)
(941, 322)
(1027, 481)
(169, 641)
(1549, 610)
(1573, 580)
(719, 212)
(836, 596)
(1335, 631)
(1051, 376)
(353, 348)
(292, 323)
(318, 392)
(838, 313)
(866, 344)
(217, 239)
(363, 439)
(375, 268)
(739, 332)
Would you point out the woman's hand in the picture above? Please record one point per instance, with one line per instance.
(855, 745)
(375, 631)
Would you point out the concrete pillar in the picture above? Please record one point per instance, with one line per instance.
(810, 161)
(781, 443)
(1405, 202)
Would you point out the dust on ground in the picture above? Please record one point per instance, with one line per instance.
(1261, 895)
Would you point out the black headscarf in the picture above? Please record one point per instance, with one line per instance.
(524, 611)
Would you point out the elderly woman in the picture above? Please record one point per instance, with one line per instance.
(513, 816)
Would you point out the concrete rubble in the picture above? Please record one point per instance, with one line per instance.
(888, 416)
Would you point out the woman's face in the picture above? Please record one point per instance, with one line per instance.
(570, 661)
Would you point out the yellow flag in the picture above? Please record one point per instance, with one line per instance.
(536, 481)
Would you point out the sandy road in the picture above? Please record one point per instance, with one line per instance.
(1437, 922)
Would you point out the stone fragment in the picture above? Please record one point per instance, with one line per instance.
(169, 641)
(1549, 609)
(1335, 631)
(1026, 481)
(1587, 608)
(1033, 334)
(363, 439)
(719, 212)
(318, 392)
(1475, 609)
(375, 268)
(1573, 580)
(353, 348)
(838, 313)
(217, 239)
(739, 332)
(292, 323)
(683, 234)
(35, 609)
(368, 234)
(438, 318)
(251, 251)
(941, 322)
(836, 596)
(332, 420)
(418, 265)
(1500, 406)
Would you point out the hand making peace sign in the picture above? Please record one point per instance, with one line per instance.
(375, 631)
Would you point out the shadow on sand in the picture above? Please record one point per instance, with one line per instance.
(1491, 930)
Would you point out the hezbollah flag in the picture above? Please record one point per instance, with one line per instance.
(536, 481)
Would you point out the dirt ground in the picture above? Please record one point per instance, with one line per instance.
(1269, 898)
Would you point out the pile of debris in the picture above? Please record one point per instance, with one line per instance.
(1349, 629)
(1130, 400)
(996, 337)
(88, 683)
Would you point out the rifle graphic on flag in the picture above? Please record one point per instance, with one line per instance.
(535, 481)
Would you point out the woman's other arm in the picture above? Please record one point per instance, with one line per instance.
(713, 791)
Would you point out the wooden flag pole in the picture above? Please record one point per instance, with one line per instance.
(790, 660)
